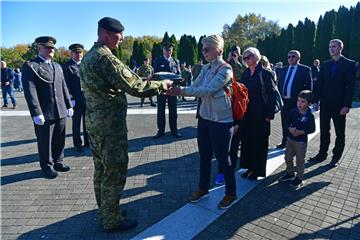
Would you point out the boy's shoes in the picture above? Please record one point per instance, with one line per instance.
(318, 158)
(246, 174)
(198, 195)
(287, 177)
(4, 106)
(226, 202)
(334, 162)
(153, 104)
(219, 179)
(297, 182)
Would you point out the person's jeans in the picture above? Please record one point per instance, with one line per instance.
(214, 139)
(8, 90)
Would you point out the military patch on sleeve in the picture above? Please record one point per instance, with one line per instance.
(126, 73)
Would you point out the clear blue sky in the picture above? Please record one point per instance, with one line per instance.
(69, 22)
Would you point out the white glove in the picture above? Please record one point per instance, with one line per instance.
(70, 112)
(39, 120)
(73, 103)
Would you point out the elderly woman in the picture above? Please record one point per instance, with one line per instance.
(215, 123)
(255, 126)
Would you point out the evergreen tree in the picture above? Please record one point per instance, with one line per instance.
(307, 54)
(156, 51)
(354, 42)
(174, 42)
(199, 49)
(343, 27)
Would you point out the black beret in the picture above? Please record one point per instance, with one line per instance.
(168, 45)
(111, 24)
(76, 47)
(46, 41)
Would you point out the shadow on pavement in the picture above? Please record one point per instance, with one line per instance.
(68, 152)
(21, 177)
(333, 231)
(170, 183)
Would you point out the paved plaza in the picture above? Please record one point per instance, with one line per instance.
(162, 174)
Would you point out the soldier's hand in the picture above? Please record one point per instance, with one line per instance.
(39, 120)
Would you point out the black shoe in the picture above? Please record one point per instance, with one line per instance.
(141, 105)
(158, 135)
(334, 163)
(287, 177)
(87, 145)
(125, 225)
(318, 158)
(246, 174)
(281, 146)
(252, 176)
(297, 182)
(50, 173)
(153, 104)
(176, 135)
(79, 149)
(61, 167)
(4, 106)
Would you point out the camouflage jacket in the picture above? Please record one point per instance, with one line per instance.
(145, 70)
(237, 68)
(105, 80)
(196, 69)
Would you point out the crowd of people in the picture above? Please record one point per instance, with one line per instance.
(94, 86)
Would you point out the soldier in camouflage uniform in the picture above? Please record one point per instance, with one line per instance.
(105, 80)
(144, 71)
(195, 70)
(235, 63)
(186, 76)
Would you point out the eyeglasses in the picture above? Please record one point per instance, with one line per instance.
(292, 56)
(247, 57)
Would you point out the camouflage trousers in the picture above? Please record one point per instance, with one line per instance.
(110, 155)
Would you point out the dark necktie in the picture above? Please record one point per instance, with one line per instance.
(287, 82)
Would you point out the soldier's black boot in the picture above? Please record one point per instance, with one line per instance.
(125, 225)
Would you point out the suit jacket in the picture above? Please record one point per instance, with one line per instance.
(302, 81)
(72, 77)
(161, 64)
(336, 90)
(45, 89)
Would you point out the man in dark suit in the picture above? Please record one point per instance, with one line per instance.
(167, 63)
(335, 91)
(72, 78)
(49, 103)
(292, 80)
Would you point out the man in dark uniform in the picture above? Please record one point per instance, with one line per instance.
(292, 80)
(167, 63)
(334, 91)
(49, 103)
(72, 78)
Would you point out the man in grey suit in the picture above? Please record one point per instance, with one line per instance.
(293, 79)
(49, 102)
